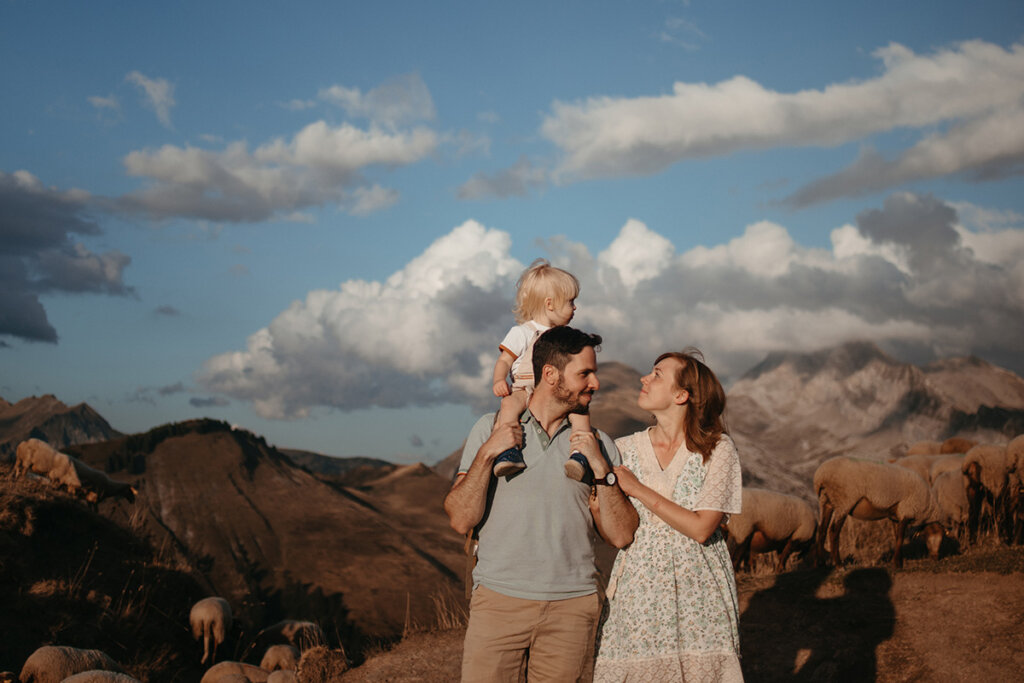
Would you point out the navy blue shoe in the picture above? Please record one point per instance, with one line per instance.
(509, 462)
(577, 468)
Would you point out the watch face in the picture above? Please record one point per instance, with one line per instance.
(609, 479)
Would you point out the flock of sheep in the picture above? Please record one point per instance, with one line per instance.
(288, 647)
(956, 488)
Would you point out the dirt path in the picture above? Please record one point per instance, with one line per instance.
(855, 624)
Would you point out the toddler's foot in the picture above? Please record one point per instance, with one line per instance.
(578, 469)
(509, 462)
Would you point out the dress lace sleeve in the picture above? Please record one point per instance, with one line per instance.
(723, 485)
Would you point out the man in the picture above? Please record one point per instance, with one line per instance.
(535, 584)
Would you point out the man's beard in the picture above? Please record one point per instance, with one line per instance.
(570, 399)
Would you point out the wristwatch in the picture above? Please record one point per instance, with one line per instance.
(609, 480)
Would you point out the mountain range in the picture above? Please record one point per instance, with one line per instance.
(364, 545)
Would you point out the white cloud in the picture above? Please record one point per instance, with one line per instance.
(159, 95)
(976, 86)
(320, 164)
(515, 181)
(401, 100)
(110, 102)
(429, 332)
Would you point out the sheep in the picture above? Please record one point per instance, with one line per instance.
(919, 462)
(54, 663)
(98, 486)
(870, 490)
(40, 457)
(235, 672)
(210, 619)
(68, 471)
(987, 472)
(957, 444)
(282, 676)
(99, 676)
(280, 657)
(300, 634)
(770, 521)
(950, 462)
(924, 448)
(950, 490)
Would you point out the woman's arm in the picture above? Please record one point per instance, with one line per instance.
(697, 525)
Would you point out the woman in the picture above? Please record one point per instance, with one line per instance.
(672, 613)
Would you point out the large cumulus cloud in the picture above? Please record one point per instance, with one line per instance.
(38, 254)
(967, 100)
(909, 275)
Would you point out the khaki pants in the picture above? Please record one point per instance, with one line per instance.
(553, 640)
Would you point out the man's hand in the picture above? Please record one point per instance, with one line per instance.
(502, 438)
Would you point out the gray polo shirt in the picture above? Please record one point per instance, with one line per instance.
(537, 535)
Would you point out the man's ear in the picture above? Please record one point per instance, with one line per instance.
(549, 374)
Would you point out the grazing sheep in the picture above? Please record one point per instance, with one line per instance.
(987, 472)
(40, 457)
(957, 444)
(924, 448)
(98, 486)
(99, 676)
(210, 619)
(920, 463)
(64, 470)
(282, 676)
(235, 672)
(950, 490)
(54, 663)
(280, 657)
(770, 521)
(951, 462)
(1015, 488)
(870, 490)
(300, 634)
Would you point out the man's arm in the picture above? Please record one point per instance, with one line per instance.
(614, 516)
(467, 499)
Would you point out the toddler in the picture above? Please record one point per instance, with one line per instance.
(545, 298)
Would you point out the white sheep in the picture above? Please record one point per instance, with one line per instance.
(68, 471)
(54, 663)
(920, 462)
(282, 676)
(235, 672)
(957, 444)
(99, 676)
(33, 455)
(210, 619)
(950, 462)
(870, 490)
(770, 521)
(1015, 488)
(950, 490)
(987, 472)
(925, 448)
(280, 657)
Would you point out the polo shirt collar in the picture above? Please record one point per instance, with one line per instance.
(529, 419)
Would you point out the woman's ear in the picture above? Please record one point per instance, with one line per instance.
(682, 397)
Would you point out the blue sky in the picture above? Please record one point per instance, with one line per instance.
(307, 219)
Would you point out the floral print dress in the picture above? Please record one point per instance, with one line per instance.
(673, 613)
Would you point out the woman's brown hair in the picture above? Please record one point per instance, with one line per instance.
(703, 422)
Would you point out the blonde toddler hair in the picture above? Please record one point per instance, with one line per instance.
(539, 281)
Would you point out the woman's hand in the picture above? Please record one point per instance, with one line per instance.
(628, 482)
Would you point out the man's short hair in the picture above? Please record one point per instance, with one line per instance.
(557, 346)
